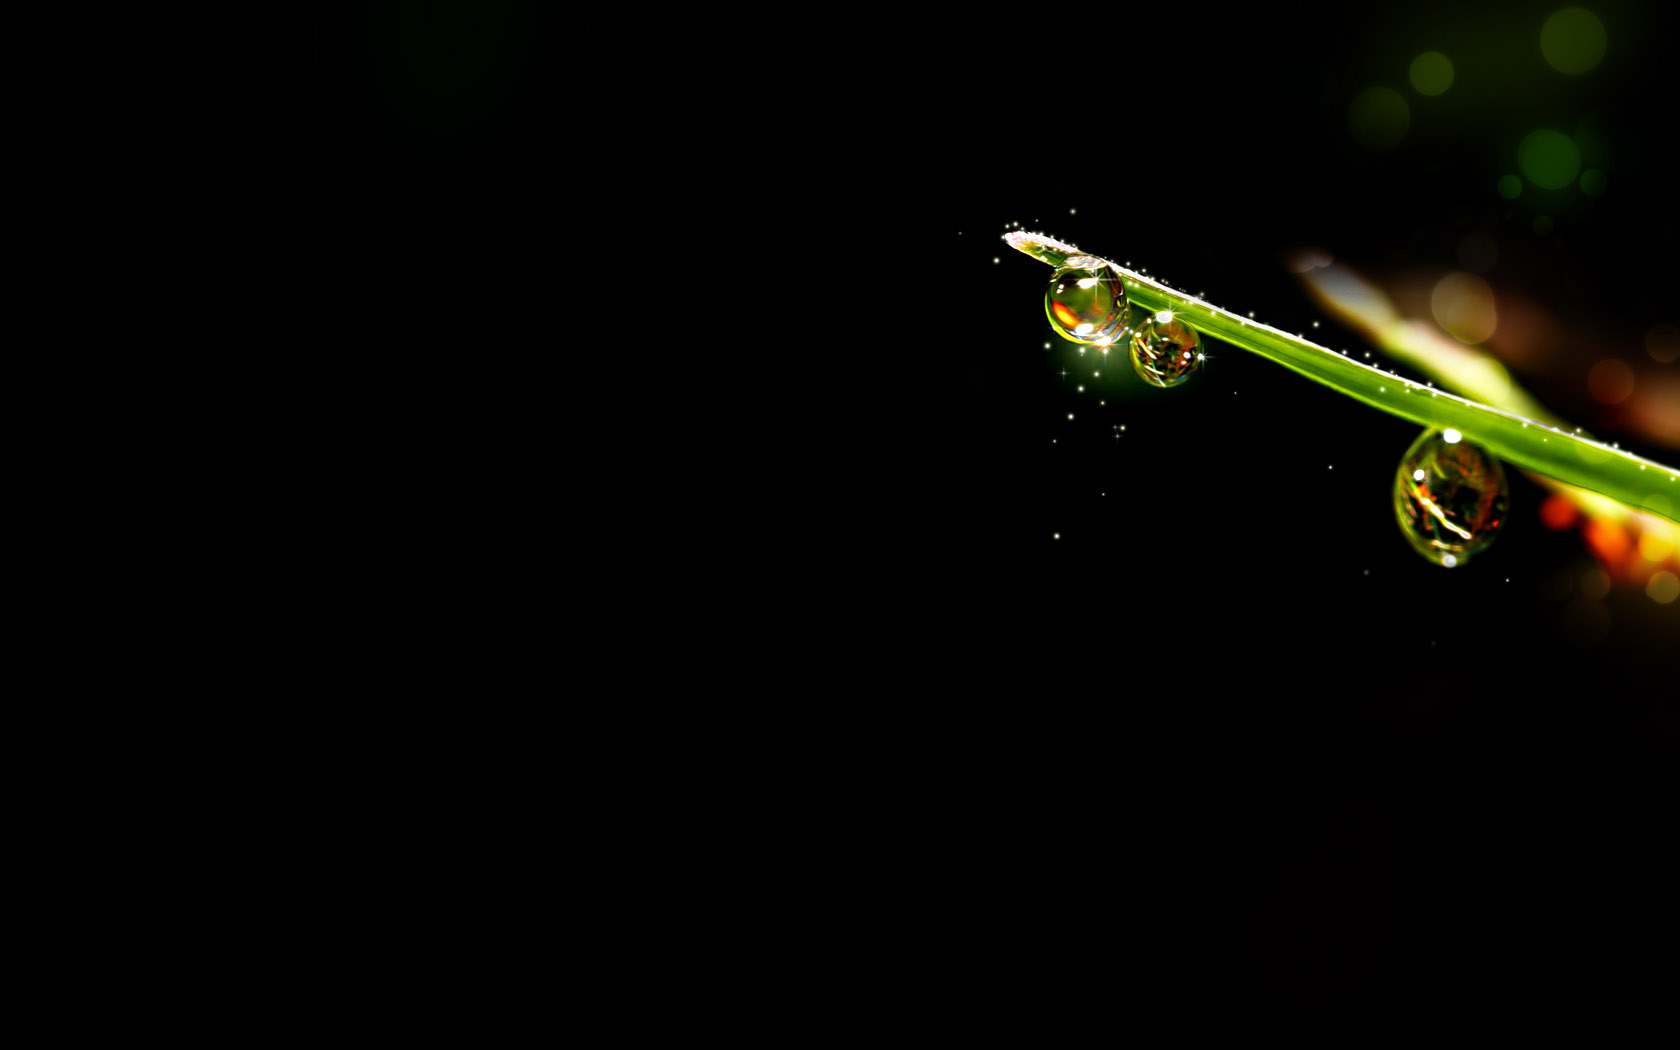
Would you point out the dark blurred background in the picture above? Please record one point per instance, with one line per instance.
(1232, 693)
(1115, 696)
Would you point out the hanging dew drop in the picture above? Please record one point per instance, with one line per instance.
(1165, 350)
(1450, 497)
(1086, 302)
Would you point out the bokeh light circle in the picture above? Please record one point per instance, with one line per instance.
(1463, 305)
(1431, 73)
(1573, 40)
(1379, 117)
(1610, 381)
(1549, 159)
(1662, 342)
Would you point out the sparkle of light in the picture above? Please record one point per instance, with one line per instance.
(1451, 436)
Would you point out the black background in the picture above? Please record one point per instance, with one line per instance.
(1225, 748)
(1265, 744)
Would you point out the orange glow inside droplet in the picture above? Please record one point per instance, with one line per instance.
(1068, 318)
(1558, 513)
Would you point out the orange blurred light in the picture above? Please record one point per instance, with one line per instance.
(1559, 512)
(1654, 548)
(1610, 381)
(1610, 542)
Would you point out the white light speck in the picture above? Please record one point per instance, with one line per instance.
(1315, 324)
(1449, 561)
(1070, 414)
(1451, 436)
(994, 258)
(1417, 475)
(1073, 211)
(1164, 317)
(1056, 535)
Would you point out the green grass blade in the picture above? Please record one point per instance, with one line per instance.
(1527, 443)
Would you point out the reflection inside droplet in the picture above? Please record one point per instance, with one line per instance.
(1450, 497)
(1165, 352)
(1087, 304)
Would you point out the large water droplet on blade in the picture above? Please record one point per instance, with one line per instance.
(1165, 350)
(1450, 497)
(1086, 301)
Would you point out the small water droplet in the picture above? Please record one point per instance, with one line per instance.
(1165, 350)
(1449, 497)
(1087, 304)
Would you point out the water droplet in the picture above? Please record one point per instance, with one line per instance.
(1449, 497)
(1165, 350)
(1087, 303)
